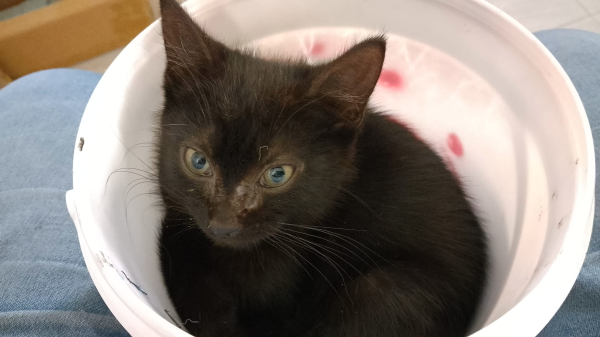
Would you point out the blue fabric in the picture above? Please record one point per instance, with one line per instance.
(579, 54)
(45, 289)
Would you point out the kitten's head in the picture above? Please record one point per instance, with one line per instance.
(249, 147)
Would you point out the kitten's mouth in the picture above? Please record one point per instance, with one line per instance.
(237, 243)
(234, 238)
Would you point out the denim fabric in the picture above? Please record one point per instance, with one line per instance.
(579, 54)
(45, 289)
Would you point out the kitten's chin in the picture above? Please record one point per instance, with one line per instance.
(239, 243)
(232, 244)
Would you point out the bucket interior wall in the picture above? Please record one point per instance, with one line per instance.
(506, 115)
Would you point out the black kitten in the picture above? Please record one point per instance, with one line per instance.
(295, 210)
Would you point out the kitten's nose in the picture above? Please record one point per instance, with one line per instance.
(223, 223)
(224, 232)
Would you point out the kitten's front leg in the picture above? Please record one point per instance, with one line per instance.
(203, 302)
(208, 309)
(406, 299)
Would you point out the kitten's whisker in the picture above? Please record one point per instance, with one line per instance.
(188, 224)
(177, 207)
(332, 251)
(294, 253)
(315, 245)
(169, 254)
(109, 178)
(321, 255)
(176, 197)
(137, 196)
(324, 227)
(153, 178)
(118, 171)
(127, 191)
(138, 146)
(143, 174)
(134, 181)
(278, 239)
(307, 244)
(128, 150)
(273, 244)
(180, 233)
(342, 237)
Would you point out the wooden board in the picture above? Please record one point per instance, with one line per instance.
(4, 4)
(4, 79)
(68, 32)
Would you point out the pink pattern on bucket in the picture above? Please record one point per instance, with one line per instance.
(317, 49)
(455, 145)
(390, 79)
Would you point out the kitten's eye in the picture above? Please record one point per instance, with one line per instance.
(277, 176)
(197, 162)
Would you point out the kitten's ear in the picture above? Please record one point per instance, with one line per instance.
(351, 78)
(186, 44)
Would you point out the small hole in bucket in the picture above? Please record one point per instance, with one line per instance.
(81, 142)
(560, 223)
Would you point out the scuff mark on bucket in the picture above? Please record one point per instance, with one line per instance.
(135, 285)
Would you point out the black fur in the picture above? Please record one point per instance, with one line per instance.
(372, 236)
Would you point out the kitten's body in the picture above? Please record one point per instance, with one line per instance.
(372, 236)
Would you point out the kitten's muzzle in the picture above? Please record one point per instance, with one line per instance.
(223, 223)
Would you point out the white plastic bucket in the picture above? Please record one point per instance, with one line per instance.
(530, 163)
